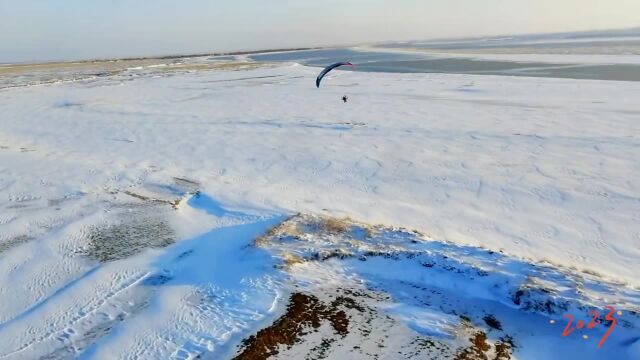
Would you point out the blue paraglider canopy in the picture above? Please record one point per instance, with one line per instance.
(329, 68)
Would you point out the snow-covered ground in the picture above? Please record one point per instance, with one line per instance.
(130, 202)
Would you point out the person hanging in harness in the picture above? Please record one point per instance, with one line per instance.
(345, 98)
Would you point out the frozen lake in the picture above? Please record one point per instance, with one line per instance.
(378, 60)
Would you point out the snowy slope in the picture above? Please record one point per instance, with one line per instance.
(97, 180)
(445, 294)
(544, 168)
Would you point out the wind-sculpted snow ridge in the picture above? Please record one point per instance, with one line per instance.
(452, 297)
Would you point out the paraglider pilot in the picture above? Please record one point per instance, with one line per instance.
(345, 98)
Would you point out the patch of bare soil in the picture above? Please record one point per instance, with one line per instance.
(504, 349)
(305, 313)
(480, 349)
(346, 325)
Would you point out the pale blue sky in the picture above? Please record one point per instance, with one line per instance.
(36, 30)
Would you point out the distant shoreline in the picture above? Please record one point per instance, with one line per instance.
(159, 57)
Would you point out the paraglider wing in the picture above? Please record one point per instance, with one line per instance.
(329, 68)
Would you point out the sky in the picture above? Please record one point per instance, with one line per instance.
(45, 30)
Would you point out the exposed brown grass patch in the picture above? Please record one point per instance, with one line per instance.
(285, 228)
(108, 66)
(291, 259)
(504, 349)
(480, 349)
(592, 273)
(229, 66)
(369, 231)
(304, 313)
(477, 350)
(335, 225)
